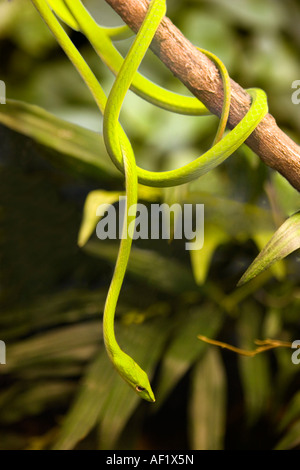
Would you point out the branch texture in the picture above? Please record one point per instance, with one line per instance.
(202, 78)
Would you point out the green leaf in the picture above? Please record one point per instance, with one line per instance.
(261, 239)
(292, 413)
(291, 439)
(255, 374)
(65, 344)
(286, 197)
(200, 259)
(58, 309)
(285, 240)
(96, 198)
(90, 218)
(29, 400)
(207, 405)
(185, 348)
(104, 398)
(165, 274)
(235, 218)
(92, 396)
(76, 148)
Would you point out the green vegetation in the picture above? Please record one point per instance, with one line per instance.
(58, 388)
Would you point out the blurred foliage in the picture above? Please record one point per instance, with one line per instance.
(58, 388)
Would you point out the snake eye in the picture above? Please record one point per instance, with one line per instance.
(139, 389)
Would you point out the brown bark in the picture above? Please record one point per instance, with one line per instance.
(202, 78)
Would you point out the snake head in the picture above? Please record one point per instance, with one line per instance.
(136, 377)
(145, 392)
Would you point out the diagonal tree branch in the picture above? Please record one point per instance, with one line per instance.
(202, 78)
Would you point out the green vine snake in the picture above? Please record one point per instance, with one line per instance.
(118, 145)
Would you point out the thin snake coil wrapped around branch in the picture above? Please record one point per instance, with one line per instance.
(118, 145)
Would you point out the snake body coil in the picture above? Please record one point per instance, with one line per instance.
(119, 147)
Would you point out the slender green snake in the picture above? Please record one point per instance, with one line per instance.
(118, 145)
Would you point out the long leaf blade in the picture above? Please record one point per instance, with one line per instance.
(76, 148)
(92, 397)
(254, 371)
(207, 406)
(285, 240)
(104, 398)
(90, 218)
(168, 275)
(185, 348)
